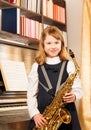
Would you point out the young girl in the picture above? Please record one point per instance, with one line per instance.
(52, 54)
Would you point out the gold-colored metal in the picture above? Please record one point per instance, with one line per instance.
(55, 113)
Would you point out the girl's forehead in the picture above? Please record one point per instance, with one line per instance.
(49, 37)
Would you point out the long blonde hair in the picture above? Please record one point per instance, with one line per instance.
(56, 33)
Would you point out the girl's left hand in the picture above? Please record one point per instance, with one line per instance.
(69, 97)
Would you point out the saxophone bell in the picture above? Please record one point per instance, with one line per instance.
(65, 115)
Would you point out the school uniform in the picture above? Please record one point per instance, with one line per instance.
(44, 98)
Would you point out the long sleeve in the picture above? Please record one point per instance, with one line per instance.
(32, 91)
(77, 87)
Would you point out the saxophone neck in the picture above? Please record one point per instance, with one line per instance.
(74, 60)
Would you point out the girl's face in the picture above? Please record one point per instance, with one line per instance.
(52, 46)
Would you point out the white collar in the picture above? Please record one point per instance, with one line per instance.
(54, 60)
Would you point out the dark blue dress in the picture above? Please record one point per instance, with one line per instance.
(44, 98)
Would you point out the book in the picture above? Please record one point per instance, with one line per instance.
(55, 12)
(29, 4)
(14, 75)
(12, 1)
(34, 5)
(49, 8)
(38, 6)
(11, 20)
(44, 7)
(18, 2)
(23, 25)
(24, 4)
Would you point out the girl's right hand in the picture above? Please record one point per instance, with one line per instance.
(39, 120)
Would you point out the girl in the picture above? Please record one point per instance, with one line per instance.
(52, 53)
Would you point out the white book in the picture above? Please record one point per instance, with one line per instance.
(24, 4)
(34, 5)
(50, 9)
(29, 4)
(44, 7)
(18, 21)
(38, 6)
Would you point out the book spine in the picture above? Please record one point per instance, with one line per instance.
(24, 4)
(13, 1)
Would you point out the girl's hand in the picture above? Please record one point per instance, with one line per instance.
(39, 120)
(69, 97)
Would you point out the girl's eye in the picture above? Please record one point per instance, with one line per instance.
(48, 42)
(56, 42)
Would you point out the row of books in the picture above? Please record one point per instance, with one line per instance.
(53, 11)
(33, 5)
(49, 9)
(30, 28)
(19, 24)
(59, 13)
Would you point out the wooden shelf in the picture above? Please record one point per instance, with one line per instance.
(50, 21)
(17, 40)
(59, 2)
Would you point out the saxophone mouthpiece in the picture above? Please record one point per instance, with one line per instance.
(71, 53)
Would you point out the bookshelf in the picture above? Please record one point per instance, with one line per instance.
(38, 17)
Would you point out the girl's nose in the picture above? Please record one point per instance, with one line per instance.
(53, 45)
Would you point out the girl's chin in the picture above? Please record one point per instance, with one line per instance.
(52, 56)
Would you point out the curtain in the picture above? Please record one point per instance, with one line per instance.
(85, 105)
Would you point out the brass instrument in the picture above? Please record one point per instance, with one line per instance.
(56, 113)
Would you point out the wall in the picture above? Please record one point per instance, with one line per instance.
(74, 26)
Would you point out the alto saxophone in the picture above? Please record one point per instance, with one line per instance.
(56, 113)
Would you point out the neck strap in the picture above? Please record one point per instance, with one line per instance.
(48, 81)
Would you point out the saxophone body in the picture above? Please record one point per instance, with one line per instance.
(56, 113)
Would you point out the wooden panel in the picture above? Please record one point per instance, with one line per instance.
(13, 114)
(15, 126)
